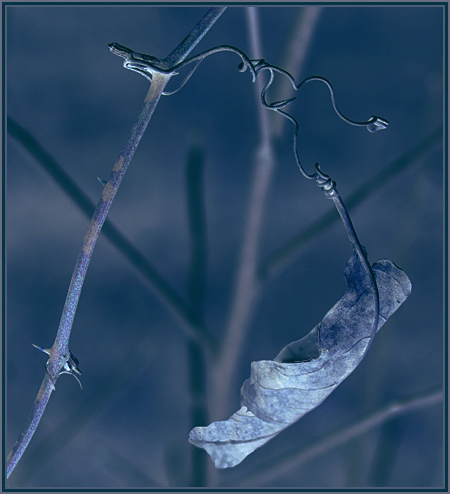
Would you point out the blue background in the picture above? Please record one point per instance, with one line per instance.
(129, 426)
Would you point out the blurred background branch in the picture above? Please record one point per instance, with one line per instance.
(296, 458)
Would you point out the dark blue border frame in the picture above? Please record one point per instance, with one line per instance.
(445, 246)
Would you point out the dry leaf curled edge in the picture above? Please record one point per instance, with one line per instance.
(280, 391)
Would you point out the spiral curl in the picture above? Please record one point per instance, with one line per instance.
(147, 65)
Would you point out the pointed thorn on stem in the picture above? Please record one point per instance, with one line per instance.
(45, 350)
(103, 182)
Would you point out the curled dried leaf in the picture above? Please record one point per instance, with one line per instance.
(280, 391)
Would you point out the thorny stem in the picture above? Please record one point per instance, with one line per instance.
(133, 362)
(59, 354)
(61, 346)
(189, 323)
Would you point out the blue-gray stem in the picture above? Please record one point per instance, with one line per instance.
(167, 295)
(59, 353)
(194, 37)
(348, 225)
(329, 188)
(60, 347)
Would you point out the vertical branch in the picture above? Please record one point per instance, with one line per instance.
(59, 353)
(197, 283)
(248, 280)
(246, 285)
(382, 466)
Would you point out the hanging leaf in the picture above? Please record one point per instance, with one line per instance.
(280, 391)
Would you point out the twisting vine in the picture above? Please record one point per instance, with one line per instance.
(149, 66)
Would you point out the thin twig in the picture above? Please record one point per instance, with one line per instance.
(164, 292)
(59, 354)
(246, 286)
(297, 52)
(194, 37)
(197, 289)
(294, 459)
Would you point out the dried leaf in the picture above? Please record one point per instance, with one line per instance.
(280, 391)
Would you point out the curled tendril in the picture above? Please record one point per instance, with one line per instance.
(324, 181)
(373, 124)
(327, 185)
(147, 65)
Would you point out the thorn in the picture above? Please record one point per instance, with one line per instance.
(45, 350)
(103, 182)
